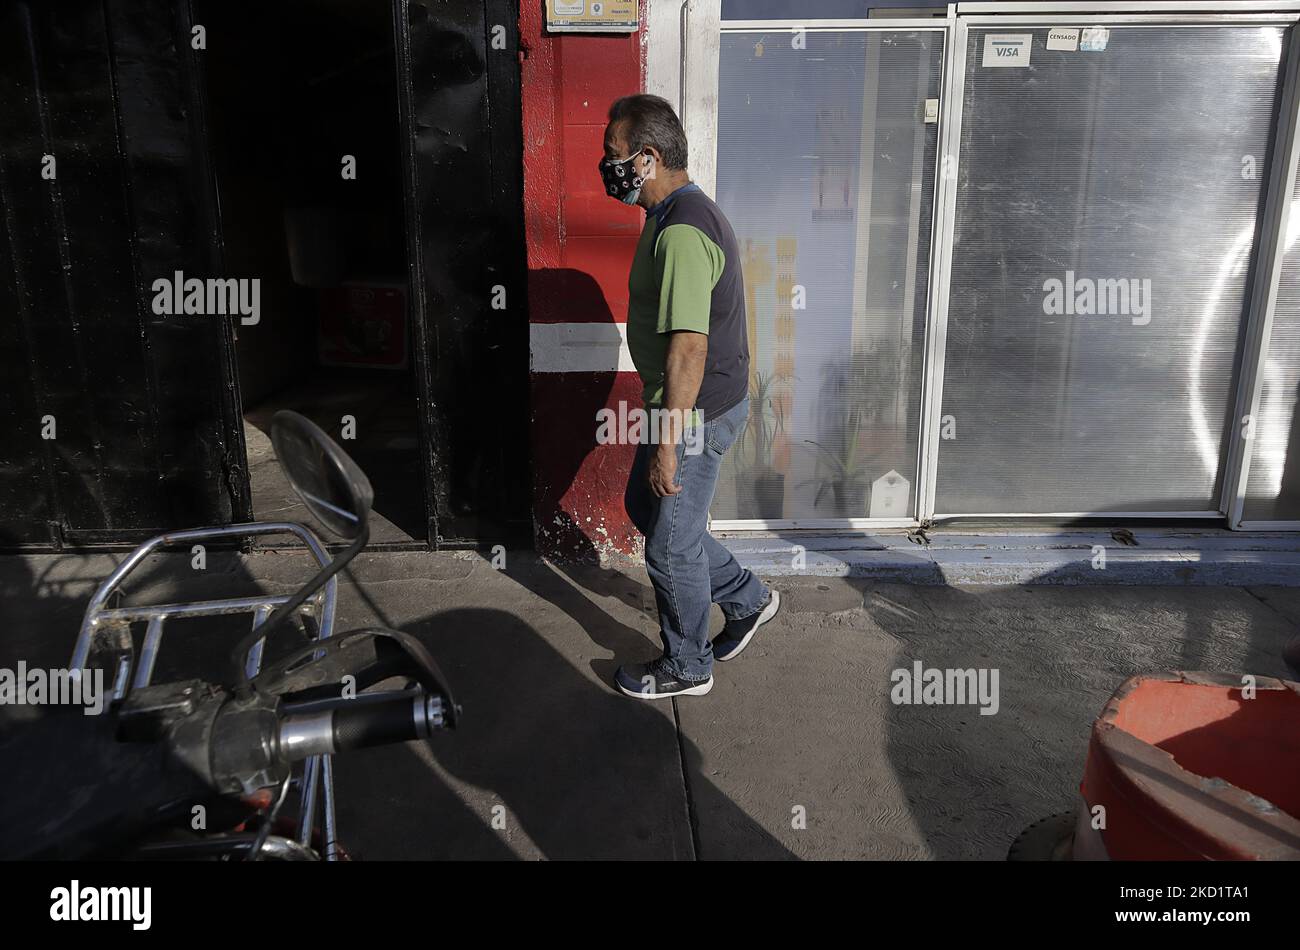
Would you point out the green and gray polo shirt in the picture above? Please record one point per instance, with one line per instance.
(686, 276)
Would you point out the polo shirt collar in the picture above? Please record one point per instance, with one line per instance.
(661, 209)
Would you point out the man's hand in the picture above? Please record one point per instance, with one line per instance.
(683, 371)
(663, 471)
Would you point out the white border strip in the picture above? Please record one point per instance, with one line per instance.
(579, 348)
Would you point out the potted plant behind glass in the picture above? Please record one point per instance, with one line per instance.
(849, 400)
(760, 488)
(849, 478)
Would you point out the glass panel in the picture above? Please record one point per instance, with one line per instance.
(1106, 211)
(826, 170)
(1273, 483)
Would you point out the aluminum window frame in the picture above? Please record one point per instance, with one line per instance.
(1268, 249)
(1139, 20)
(948, 164)
(935, 24)
(1138, 15)
(827, 25)
(1264, 292)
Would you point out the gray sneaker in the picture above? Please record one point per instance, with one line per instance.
(736, 634)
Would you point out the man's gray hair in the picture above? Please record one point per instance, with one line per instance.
(651, 121)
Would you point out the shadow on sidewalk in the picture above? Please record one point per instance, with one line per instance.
(577, 770)
(562, 586)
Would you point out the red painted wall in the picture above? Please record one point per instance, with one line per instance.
(580, 246)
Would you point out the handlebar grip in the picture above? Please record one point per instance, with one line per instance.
(359, 723)
(356, 727)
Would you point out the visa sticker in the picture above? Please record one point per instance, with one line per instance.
(1006, 49)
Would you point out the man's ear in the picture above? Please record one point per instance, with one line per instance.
(653, 161)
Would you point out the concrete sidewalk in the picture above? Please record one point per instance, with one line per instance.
(551, 763)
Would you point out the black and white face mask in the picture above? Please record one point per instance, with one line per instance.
(621, 180)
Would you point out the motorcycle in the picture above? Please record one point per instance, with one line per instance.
(203, 768)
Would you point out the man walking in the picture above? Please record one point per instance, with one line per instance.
(687, 335)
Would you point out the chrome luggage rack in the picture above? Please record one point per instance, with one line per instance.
(107, 631)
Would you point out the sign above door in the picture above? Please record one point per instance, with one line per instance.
(592, 16)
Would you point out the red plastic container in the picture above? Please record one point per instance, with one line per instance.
(1187, 766)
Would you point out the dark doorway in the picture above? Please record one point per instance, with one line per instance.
(118, 418)
(304, 129)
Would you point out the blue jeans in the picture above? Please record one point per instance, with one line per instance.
(689, 569)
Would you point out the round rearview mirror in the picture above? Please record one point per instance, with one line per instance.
(330, 484)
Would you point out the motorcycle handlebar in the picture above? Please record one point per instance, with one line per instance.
(360, 723)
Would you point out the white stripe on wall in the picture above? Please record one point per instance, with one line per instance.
(579, 348)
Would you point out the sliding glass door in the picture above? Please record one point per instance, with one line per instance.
(1014, 264)
(826, 161)
(1109, 188)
